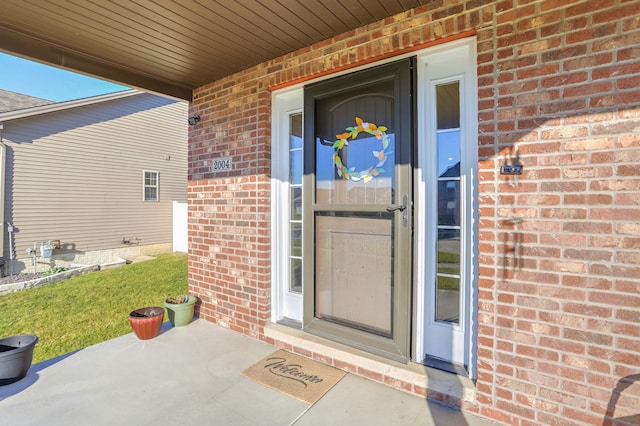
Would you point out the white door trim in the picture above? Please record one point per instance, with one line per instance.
(451, 61)
(284, 303)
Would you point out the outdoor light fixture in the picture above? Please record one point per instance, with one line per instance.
(193, 120)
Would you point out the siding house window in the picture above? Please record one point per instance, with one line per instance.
(150, 185)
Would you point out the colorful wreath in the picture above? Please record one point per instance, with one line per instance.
(351, 133)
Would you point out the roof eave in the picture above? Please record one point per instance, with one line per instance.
(49, 53)
(61, 106)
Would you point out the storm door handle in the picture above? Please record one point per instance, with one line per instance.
(400, 208)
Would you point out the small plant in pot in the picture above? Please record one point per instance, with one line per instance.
(147, 322)
(180, 309)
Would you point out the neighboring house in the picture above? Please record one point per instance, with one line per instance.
(11, 101)
(524, 288)
(95, 178)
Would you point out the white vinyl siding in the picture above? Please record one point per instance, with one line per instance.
(74, 175)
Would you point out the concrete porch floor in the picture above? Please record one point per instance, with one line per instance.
(191, 376)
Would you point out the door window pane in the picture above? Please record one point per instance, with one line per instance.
(448, 104)
(448, 153)
(449, 203)
(295, 202)
(447, 289)
(448, 251)
(296, 239)
(448, 276)
(358, 173)
(355, 143)
(295, 131)
(448, 299)
(296, 166)
(295, 276)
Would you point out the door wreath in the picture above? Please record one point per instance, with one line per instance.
(351, 133)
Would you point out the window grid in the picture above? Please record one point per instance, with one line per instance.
(448, 226)
(295, 202)
(150, 186)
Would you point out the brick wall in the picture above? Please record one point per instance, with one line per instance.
(560, 305)
(559, 258)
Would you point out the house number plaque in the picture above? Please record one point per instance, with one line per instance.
(221, 164)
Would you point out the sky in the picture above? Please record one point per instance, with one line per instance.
(54, 84)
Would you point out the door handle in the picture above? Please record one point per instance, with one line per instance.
(401, 208)
(396, 208)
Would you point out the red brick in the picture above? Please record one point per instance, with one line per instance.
(588, 336)
(520, 410)
(587, 310)
(563, 345)
(583, 417)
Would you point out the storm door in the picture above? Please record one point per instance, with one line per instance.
(358, 147)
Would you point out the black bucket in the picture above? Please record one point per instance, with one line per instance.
(16, 354)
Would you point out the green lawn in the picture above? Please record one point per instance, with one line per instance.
(89, 309)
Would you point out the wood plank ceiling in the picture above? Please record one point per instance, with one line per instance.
(172, 47)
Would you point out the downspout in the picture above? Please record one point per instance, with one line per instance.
(3, 162)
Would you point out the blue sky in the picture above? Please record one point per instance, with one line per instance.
(42, 81)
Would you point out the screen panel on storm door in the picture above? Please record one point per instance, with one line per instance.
(355, 236)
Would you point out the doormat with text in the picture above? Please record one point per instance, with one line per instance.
(299, 377)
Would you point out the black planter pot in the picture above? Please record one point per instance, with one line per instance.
(16, 354)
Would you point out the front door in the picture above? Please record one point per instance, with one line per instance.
(375, 222)
(358, 180)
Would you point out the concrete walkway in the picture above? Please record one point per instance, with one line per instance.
(191, 376)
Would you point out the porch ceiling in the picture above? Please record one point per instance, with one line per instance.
(172, 47)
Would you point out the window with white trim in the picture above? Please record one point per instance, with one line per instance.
(150, 186)
(287, 206)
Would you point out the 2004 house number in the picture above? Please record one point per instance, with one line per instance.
(221, 164)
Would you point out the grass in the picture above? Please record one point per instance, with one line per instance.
(448, 283)
(447, 257)
(89, 309)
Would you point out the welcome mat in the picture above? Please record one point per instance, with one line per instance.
(299, 377)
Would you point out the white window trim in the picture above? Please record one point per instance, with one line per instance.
(144, 185)
(469, 211)
(284, 103)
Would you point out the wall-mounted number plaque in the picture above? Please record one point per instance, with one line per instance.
(221, 164)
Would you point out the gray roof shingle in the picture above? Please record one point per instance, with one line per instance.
(11, 101)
